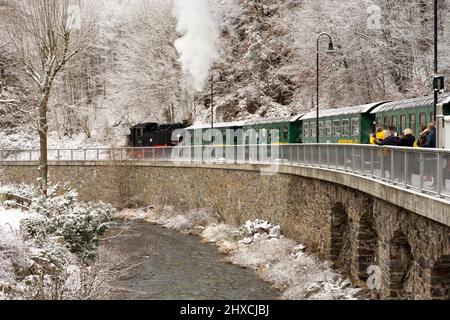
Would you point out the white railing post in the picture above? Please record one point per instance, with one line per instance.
(353, 160)
(421, 171)
(372, 169)
(337, 157)
(439, 175)
(328, 156)
(345, 158)
(319, 155)
(363, 157)
(406, 165)
(392, 166)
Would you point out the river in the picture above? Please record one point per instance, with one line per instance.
(174, 266)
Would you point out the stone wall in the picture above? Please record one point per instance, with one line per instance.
(351, 228)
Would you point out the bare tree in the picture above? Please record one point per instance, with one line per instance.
(45, 37)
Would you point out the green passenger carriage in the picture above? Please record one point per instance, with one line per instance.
(342, 125)
(409, 113)
(285, 130)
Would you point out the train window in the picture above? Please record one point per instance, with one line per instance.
(355, 127)
(286, 133)
(378, 121)
(328, 128)
(306, 130)
(403, 122)
(423, 118)
(412, 122)
(274, 135)
(346, 127)
(263, 133)
(432, 116)
(321, 128)
(386, 122)
(313, 129)
(337, 128)
(394, 121)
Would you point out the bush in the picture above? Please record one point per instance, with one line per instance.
(80, 224)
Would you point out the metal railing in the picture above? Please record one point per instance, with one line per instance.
(421, 170)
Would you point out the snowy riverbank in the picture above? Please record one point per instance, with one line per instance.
(50, 252)
(260, 246)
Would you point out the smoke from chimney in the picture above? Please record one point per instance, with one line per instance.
(198, 44)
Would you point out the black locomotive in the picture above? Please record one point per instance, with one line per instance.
(154, 135)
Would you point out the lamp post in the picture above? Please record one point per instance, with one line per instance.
(330, 50)
(438, 81)
(213, 73)
(436, 69)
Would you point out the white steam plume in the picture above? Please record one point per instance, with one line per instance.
(198, 45)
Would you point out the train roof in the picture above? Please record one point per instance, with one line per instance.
(286, 119)
(217, 125)
(144, 125)
(410, 103)
(342, 111)
(246, 123)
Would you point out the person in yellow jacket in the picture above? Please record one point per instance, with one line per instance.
(379, 135)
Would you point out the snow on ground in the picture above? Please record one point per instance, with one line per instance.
(260, 246)
(10, 218)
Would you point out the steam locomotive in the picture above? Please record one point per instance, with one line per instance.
(154, 135)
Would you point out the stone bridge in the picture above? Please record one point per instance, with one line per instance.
(354, 221)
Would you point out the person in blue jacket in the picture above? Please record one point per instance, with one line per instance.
(431, 139)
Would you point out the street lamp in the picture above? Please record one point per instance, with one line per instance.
(330, 50)
(213, 73)
(436, 69)
(438, 81)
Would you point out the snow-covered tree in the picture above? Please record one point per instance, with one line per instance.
(45, 39)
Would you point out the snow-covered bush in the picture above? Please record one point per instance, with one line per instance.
(79, 224)
(12, 254)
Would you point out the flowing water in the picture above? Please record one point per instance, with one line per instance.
(174, 266)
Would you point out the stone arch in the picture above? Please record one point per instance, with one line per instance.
(440, 279)
(367, 238)
(400, 265)
(340, 252)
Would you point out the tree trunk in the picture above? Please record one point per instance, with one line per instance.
(43, 144)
